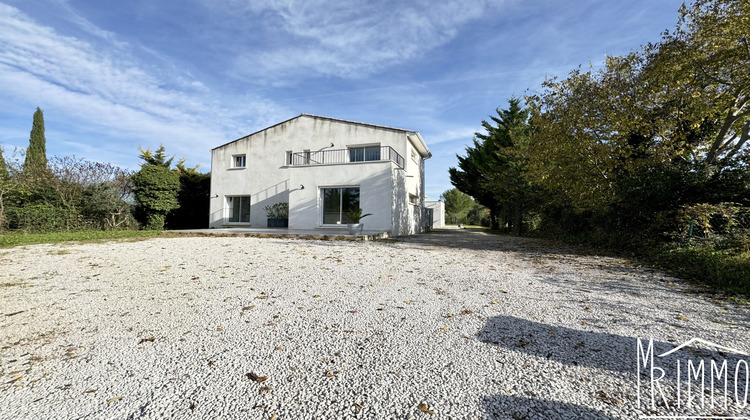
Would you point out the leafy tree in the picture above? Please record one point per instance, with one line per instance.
(704, 65)
(156, 187)
(471, 175)
(106, 204)
(158, 158)
(97, 191)
(193, 198)
(36, 154)
(457, 205)
(507, 166)
(5, 186)
(493, 169)
(622, 148)
(4, 175)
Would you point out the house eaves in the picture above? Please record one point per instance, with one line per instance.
(416, 140)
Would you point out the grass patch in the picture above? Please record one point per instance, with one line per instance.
(476, 227)
(713, 268)
(16, 239)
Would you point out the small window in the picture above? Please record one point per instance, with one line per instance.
(413, 199)
(239, 161)
(414, 155)
(289, 157)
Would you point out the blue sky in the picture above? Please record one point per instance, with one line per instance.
(194, 74)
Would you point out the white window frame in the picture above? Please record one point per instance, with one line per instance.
(236, 158)
(321, 204)
(350, 148)
(230, 208)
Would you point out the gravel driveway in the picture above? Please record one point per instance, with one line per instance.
(453, 324)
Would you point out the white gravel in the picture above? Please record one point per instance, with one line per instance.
(463, 324)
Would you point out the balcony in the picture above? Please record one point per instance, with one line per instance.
(350, 155)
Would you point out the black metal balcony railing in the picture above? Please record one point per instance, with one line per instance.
(350, 155)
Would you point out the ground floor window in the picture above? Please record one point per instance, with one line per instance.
(239, 208)
(337, 202)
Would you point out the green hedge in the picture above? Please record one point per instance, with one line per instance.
(714, 268)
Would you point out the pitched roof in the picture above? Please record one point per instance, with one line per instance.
(408, 132)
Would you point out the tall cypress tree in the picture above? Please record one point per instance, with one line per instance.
(36, 154)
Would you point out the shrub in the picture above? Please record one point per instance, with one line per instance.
(277, 211)
(705, 265)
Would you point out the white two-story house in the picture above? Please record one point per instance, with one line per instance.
(322, 167)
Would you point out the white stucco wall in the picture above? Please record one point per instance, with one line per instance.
(264, 178)
(268, 179)
(438, 213)
(372, 178)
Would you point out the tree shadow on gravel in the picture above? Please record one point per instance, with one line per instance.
(476, 240)
(599, 350)
(565, 345)
(531, 248)
(511, 407)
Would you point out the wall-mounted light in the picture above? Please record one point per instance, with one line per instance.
(302, 187)
(331, 144)
(215, 196)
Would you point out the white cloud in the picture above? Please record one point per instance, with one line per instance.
(113, 91)
(453, 135)
(86, 25)
(352, 39)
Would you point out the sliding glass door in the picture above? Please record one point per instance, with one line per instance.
(337, 202)
(239, 209)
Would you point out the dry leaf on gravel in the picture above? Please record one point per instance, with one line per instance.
(425, 408)
(608, 399)
(144, 340)
(111, 400)
(254, 377)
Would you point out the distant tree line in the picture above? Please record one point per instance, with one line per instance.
(460, 208)
(647, 154)
(67, 193)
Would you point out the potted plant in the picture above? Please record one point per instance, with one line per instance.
(355, 228)
(278, 215)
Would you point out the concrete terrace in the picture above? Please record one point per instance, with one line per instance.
(323, 234)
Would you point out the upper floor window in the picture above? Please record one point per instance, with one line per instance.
(414, 156)
(364, 153)
(240, 161)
